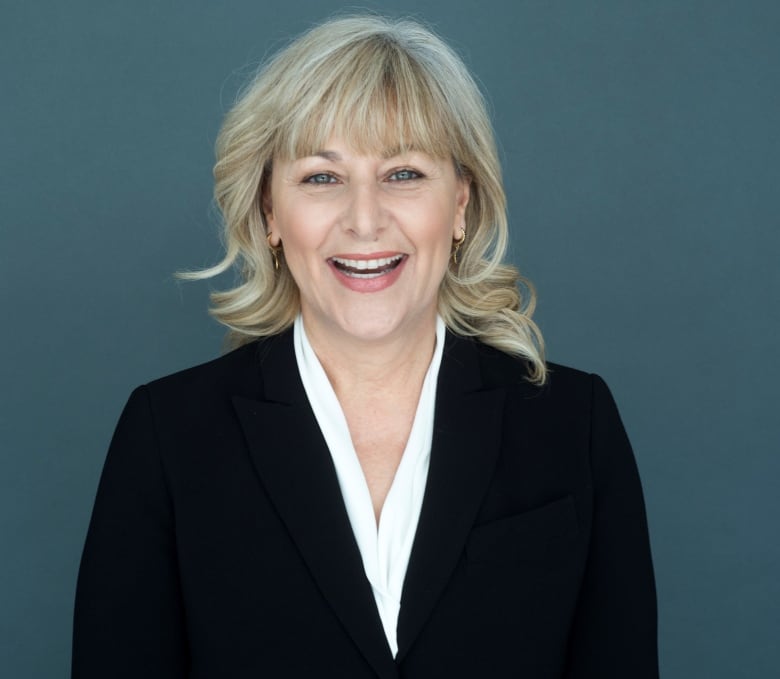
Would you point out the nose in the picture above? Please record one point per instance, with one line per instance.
(365, 215)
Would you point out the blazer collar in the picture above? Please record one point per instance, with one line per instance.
(296, 469)
(466, 441)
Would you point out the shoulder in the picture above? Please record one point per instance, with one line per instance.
(568, 400)
(204, 393)
(499, 369)
(191, 412)
(238, 372)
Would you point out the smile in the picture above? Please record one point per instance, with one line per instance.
(367, 268)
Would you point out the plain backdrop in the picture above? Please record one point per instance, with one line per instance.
(640, 149)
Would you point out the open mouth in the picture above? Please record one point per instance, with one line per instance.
(367, 268)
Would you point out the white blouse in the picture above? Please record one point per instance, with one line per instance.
(385, 548)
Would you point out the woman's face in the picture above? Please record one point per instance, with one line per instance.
(367, 237)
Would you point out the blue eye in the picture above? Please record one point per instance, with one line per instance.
(320, 178)
(404, 175)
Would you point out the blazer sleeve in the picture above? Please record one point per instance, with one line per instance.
(614, 634)
(129, 618)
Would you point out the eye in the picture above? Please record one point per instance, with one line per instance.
(320, 178)
(404, 175)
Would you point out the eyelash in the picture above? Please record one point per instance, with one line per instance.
(331, 179)
(312, 178)
(408, 171)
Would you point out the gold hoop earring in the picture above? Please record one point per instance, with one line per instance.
(275, 250)
(457, 242)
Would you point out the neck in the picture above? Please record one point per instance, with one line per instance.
(355, 365)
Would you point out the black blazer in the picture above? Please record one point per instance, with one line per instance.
(220, 547)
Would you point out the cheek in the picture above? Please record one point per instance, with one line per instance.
(442, 220)
(435, 240)
(298, 230)
(303, 233)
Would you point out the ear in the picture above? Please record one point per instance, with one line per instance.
(267, 207)
(462, 196)
(266, 202)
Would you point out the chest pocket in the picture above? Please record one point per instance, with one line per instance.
(539, 536)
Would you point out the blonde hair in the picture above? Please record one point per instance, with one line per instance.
(382, 84)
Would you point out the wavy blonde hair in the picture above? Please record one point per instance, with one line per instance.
(382, 84)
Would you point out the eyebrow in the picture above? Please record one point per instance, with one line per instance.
(327, 155)
(335, 156)
(398, 151)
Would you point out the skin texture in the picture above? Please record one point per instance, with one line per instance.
(374, 333)
(352, 205)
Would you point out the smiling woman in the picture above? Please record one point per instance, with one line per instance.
(384, 89)
(355, 223)
(385, 478)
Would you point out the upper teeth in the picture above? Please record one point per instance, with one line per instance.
(365, 264)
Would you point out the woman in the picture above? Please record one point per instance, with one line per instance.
(385, 479)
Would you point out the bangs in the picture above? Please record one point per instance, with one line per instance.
(373, 96)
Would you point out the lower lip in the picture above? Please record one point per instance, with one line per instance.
(375, 284)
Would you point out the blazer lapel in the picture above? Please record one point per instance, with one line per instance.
(466, 440)
(295, 467)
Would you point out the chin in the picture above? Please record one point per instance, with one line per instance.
(379, 325)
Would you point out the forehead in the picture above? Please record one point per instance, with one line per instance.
(373, 125)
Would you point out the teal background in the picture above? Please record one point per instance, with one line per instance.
(640, 145)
